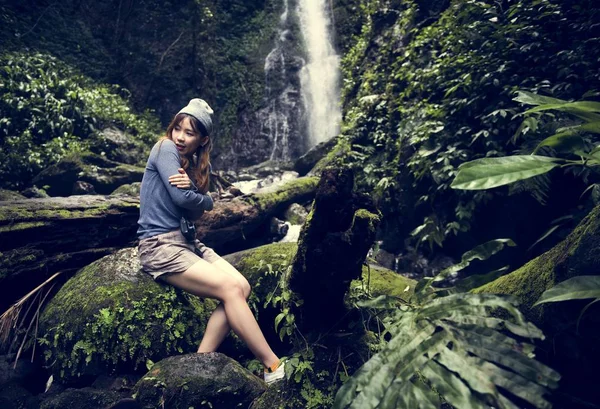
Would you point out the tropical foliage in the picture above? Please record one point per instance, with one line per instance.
(424, 94)
(576, 140)
(472, 351)
(49, 110)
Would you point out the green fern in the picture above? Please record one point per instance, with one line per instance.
(452, 345)
(469, 350)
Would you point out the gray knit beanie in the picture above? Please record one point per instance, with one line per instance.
(199, 109)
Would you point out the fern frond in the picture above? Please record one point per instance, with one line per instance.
(454, 346)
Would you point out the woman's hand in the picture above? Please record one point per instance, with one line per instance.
(181, 180)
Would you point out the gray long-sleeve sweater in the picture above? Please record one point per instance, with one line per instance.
(161, 204)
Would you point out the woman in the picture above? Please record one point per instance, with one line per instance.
(167, 195)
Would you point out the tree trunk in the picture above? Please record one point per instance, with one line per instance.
(332, 248)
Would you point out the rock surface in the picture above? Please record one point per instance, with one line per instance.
(83, 398)
(112, 316)
(209, 380)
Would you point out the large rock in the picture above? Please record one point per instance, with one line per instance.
(119, 146)
(112, 316)
(104, 174)
(209, 380)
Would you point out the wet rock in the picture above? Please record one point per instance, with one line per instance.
(83, 188)
(84, 398)
(295, 214)
(34, 192)
(278, 228)
(210, 380)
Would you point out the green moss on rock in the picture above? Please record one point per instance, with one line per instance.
(381, 281)
(576, 255)
(301, 186)
(111, 315)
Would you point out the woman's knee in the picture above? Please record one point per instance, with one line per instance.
(233, 288)
(246, 288)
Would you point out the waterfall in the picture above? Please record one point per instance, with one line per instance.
(320, 76)
(301, 105)
(277, 118)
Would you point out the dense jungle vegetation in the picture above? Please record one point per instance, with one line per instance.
(426, 87)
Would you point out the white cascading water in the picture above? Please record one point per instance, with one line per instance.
(321, 75)
(277, 121)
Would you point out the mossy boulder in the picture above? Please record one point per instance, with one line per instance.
(132, 189)
(571, 345)
(10, 195)
(104, 174)
(112, 316)
(576, 255)
(209, 380)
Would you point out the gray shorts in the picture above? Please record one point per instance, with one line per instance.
(171, 253)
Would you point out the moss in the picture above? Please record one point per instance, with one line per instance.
(381, 281)
(300, 186)
(13, 259)
(104, 319)
(22, 226)
(10, 195)
(57, 210)
(372, 219)
(255, 265)
(576, 255)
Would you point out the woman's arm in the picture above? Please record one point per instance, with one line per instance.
(167, 164)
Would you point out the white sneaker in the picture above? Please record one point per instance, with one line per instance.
(276, 375)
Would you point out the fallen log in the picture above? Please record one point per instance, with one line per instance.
(39, 237)
(232, 222)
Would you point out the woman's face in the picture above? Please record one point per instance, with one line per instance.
(186, 139)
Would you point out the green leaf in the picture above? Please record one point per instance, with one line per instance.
(534, 99)
(576, 288)
(487, 173)
(481, 252)
(478, 280)
(571, 107)
(278, 319)
(564, 142)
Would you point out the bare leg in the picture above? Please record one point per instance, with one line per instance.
(217, 327)
(205, 280)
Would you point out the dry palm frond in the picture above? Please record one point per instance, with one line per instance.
(12, 319)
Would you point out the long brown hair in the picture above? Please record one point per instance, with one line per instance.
(201, 169)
